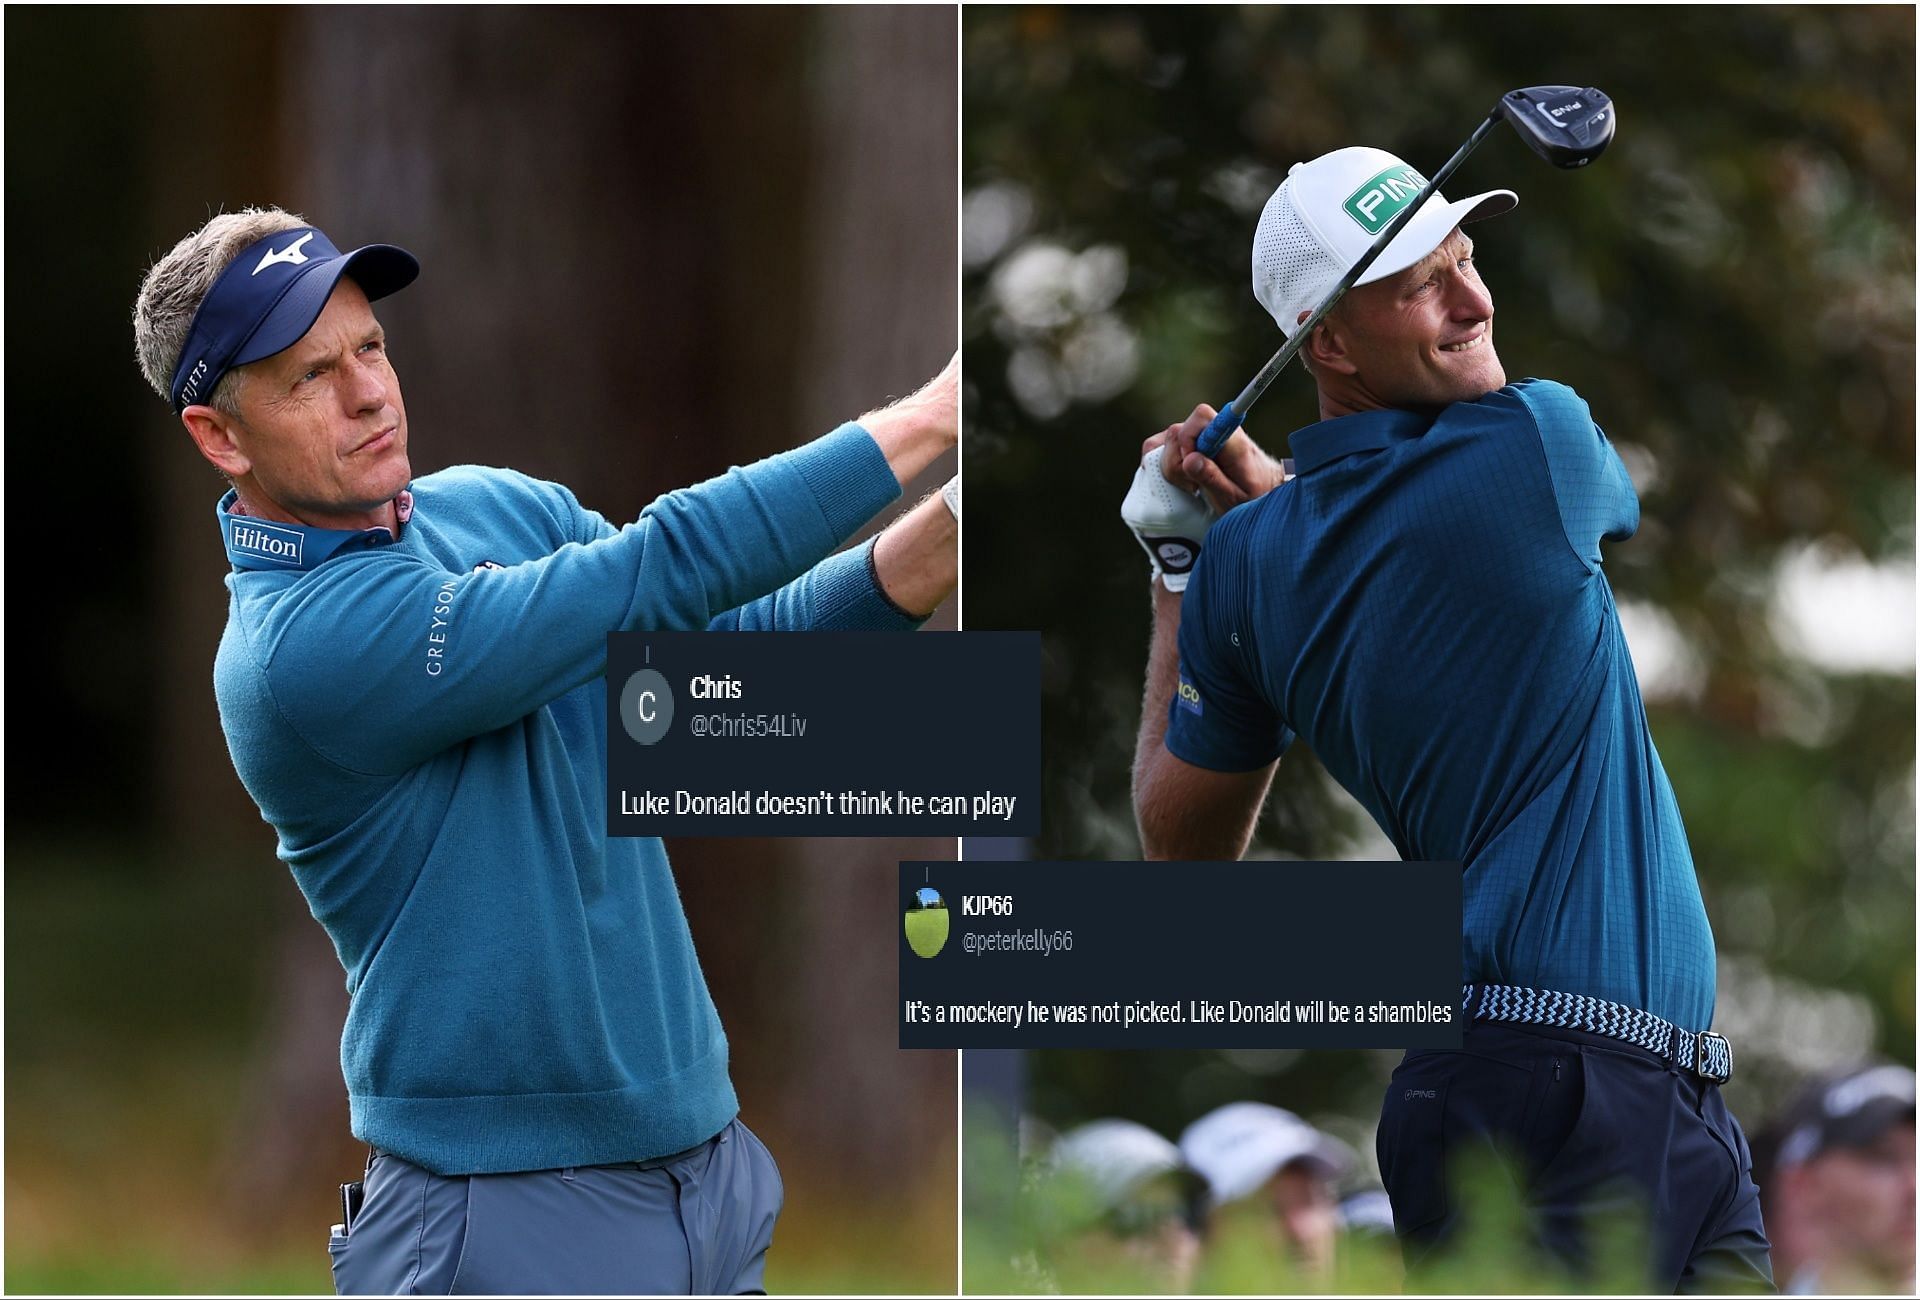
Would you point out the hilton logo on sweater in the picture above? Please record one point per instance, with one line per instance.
(268, 542)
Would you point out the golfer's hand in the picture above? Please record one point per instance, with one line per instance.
(1168, 522)
(939, 399)
(915, 430)
(1239, 472)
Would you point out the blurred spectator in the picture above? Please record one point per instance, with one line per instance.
(1837, 1186)
(1247, 1149)
(1149, 1202)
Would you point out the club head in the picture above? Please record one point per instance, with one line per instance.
(1567, 125)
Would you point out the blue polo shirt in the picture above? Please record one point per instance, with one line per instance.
(1424, 606)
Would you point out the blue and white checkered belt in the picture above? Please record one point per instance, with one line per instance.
(1706, 1054)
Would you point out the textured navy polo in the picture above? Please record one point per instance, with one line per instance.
(1424, 606)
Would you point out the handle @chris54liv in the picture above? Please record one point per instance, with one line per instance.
(1215, 435)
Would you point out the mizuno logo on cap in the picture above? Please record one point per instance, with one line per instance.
(291, 254)
(1380, 199)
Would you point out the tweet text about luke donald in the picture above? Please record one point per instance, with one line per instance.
(823, 733)
(1180, 954)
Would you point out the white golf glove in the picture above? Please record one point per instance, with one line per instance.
(1168, 523)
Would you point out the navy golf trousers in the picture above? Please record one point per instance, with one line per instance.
(698, 1224)
(1584, 1128)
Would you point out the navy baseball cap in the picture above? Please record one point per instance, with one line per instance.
(270, 296)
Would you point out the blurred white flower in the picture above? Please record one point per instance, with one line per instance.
(1666, 662)
(1838, 611)
(1037, 383)
(1643, 467)
(1243, 186)
(1033, 288)
(1055, 307)
(992, 217)
(1099, 276)
(1101, 358)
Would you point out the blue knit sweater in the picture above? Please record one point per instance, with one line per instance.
(423, 722)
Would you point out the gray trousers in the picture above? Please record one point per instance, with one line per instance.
(699, 1224)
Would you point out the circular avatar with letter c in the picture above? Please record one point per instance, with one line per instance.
(646, 706)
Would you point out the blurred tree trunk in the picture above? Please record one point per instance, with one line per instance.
(290, 1141)
(884, 257)
(290, 1136)
(198, 801)
(884, 252)
(885, 1115)
(608, 292)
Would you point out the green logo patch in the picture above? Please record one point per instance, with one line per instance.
(1382, 197)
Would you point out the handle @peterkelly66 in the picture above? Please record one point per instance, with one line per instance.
(1215, 435)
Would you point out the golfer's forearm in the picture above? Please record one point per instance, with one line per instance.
(914, 430)
(911, 438)
(917, 559)
(1184, 811)
(1190, 813)
(1153, 817)
(1163, 666)
(839, 594)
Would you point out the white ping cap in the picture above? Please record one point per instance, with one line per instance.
(1327, 213)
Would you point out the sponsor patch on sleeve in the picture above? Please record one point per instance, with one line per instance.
(1188, 696)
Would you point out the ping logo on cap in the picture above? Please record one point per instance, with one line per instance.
(267, 542)
(1380, 199)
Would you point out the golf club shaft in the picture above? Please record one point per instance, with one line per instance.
(1230, 416)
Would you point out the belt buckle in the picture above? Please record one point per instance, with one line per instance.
(1700, 1054)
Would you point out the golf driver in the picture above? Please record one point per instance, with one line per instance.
(1567, 125)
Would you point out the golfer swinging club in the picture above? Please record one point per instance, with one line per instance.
(411, 685)
(1424, 606)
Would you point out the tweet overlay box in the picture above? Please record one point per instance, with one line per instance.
(823, 733)
(1180, 954)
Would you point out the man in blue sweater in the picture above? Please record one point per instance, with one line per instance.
(1424, 606)
(411, 685)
